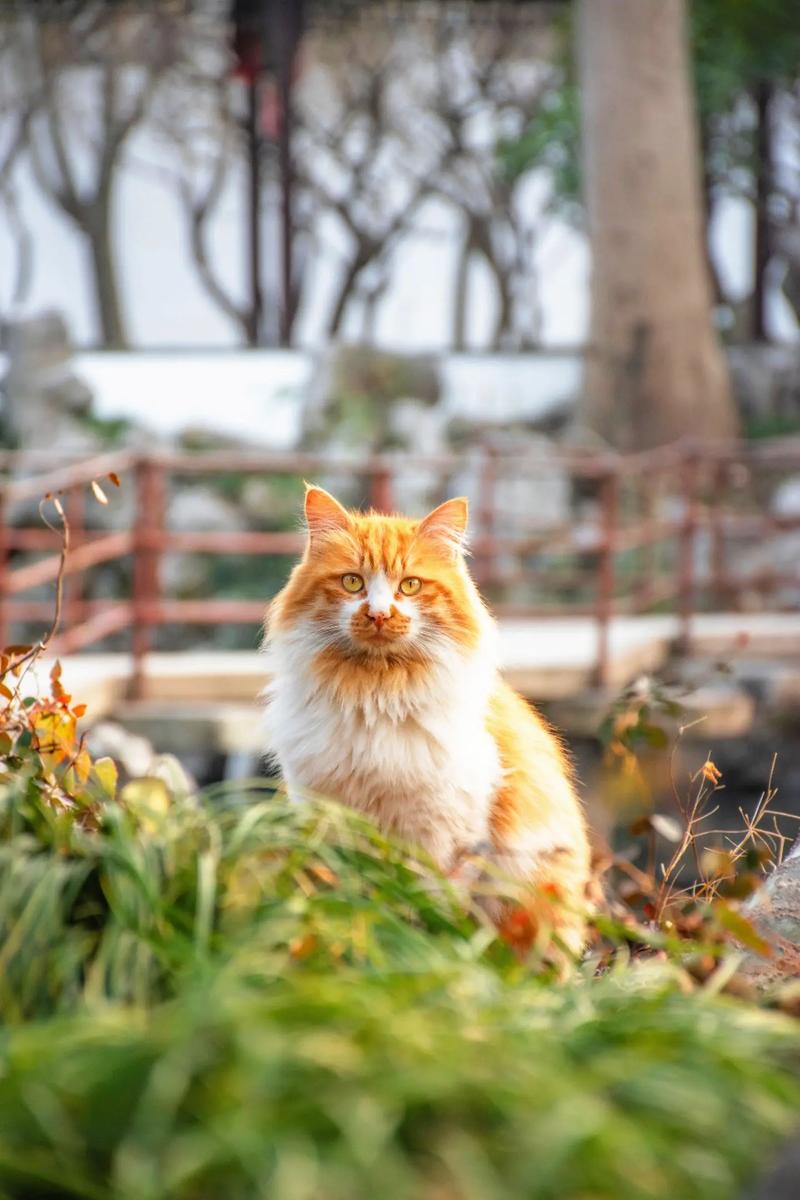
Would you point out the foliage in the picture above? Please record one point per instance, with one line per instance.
(735, 45)
(263, 999)
(232, 994)
(552, 141)
(429, 1082)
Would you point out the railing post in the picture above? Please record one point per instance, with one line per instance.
(150, 511)
(686, 574)
(380, 489)
(72, 609)
(718, 565)
(485, 560)
(604, 608)
(4, 559)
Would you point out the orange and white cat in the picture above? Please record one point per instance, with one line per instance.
(385, 695)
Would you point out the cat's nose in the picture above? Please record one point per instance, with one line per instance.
(378, 615)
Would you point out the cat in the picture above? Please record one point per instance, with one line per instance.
(384, 694)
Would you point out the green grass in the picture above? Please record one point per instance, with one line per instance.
(237, 997)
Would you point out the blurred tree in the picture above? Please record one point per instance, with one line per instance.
(746, 59)
(396, 117)
(654, 369)
(83, 77)
(355, 163)
(196, 116)
(746, 70)
(500, 76)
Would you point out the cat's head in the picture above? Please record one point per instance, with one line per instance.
(382, 586)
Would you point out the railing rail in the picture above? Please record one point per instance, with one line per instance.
(657, 531)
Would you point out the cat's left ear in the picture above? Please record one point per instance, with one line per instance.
(447, 523)
(324, 514)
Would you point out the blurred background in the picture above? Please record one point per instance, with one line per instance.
(543, 254)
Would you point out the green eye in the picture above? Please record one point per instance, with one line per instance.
(410, 586)
(352, 583)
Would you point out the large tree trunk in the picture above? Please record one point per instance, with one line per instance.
(654, 370)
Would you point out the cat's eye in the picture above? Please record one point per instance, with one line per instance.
(352, 583)
(410, 586)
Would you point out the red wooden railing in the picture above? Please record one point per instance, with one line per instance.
(658, 531)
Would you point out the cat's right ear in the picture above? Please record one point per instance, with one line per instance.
(323, 513)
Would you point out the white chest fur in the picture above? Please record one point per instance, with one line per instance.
(422, 765)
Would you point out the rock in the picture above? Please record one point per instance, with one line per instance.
(786, 498)
(728, 711)
(41, 392)
(138, 759)
(781, 1182)
(754, 565)
(171, 771)
(774, 910)
(353, 394)
(271, 502)
(766, 382)
(185, 575)
(537, 495)
(200, 508)
(133, 753)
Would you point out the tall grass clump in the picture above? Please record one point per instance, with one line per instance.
(229, 995)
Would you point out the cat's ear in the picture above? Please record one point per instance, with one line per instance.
(447, 523)
(323, 513)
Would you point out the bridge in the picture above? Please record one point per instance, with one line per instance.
(680, 547)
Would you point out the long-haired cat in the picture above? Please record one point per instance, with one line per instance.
(385, 695)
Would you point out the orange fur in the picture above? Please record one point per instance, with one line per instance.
(442, 750)
(538, 791)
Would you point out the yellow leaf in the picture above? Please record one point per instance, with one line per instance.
(106, 774)
(55, 735)
(148, 800)
(99, 494)
(82, 765)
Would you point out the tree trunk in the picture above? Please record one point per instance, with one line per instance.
(461, 295)
(654, 370)
(501, 338)
(108, 307)
(762, 249)
(344, 294)
(707, 193)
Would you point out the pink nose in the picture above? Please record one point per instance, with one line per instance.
(378, 618)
